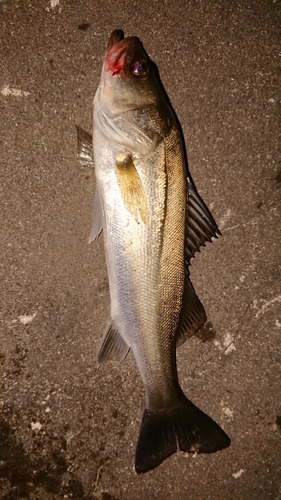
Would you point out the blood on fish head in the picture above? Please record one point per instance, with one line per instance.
(126, 57)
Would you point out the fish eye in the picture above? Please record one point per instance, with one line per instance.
(139, 68)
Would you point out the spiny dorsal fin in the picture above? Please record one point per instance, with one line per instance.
(200, 224)
(192, 316)
(132, 190)
(85, 147)
(112, 346)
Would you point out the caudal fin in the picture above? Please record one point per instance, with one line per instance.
(184, 426)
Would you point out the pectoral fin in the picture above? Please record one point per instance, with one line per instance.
(132, 190)
(84, 152)
(112, 346)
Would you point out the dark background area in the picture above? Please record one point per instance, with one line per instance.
(68, 430)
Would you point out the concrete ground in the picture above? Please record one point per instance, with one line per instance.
(67, 430)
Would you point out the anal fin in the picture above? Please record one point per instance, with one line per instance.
(192, 316)
(112, 346)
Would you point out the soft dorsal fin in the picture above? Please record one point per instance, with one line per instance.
(112, 346)
(200, 228)
(192, 316)
(200, 224)
(85, 147)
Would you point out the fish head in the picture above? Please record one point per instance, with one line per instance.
(128, 79)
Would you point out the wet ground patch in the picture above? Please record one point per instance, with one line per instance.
(24, 476)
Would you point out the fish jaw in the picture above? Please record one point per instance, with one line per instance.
(128, 77)
(115, 58)
(121, 52)
(115, 37)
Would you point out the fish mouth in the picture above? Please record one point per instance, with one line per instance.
(120, 52)
(115, 37)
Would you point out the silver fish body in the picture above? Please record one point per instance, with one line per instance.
(153, 221)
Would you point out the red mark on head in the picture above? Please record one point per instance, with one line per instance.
(117, 68)
(116, 60)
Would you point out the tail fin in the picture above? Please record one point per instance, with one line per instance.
(184, 426)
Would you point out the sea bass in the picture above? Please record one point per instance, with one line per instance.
(153, 222)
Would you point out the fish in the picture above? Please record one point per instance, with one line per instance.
(153, 222)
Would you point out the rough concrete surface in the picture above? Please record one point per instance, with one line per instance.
(67, 430)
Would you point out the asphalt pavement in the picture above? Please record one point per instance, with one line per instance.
(67, 430)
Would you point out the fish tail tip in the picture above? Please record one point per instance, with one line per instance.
(184, 427)
(154, 444)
